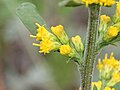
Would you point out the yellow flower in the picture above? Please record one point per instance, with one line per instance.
(47, 45)
(111, 33)
(67, 50)
(108, 88)
(78, 43)
(118, 8)
(87, 2)
(42, 33)
(58, 30)
(108, 2)
(100, 2)
(105, 19)
(97, 84)
(115, 79)
(108, 66)
(60, 33)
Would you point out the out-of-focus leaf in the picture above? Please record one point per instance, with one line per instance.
(117, 86)
(69, 3)
(29, 16)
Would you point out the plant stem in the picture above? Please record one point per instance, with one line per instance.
(90, 47)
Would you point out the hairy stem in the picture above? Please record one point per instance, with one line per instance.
(90, 47)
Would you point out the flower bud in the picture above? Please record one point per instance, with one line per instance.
(111, 33)
(60, 33)
(78, 43)
(47, 45)
(42, 33)
(67, 50)
(104, 20)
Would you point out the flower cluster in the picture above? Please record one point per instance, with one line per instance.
(109, 73)
(109, 28)
(100, 2)
(57, 40)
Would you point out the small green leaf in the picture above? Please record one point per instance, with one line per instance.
(29, 16)
(69, 3)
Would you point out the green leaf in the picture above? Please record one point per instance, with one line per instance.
(69, 3)
(117, 86)
(29, 16)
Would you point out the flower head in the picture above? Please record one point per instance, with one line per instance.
(60, 33)
(42, 33)
(109, 70)
(47, 45)
(111, 33)
(78, 43)
(67, 50)
(58, 30)
(107, 2)
(105, 19)
(115, 79)
(100, 2)
(88, 2)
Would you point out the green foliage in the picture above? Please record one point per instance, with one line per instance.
(69, 3)
(63, 73)
(117, 86)
(29, 16)
(4, 13)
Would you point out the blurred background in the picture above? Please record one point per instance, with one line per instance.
(22, 67)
